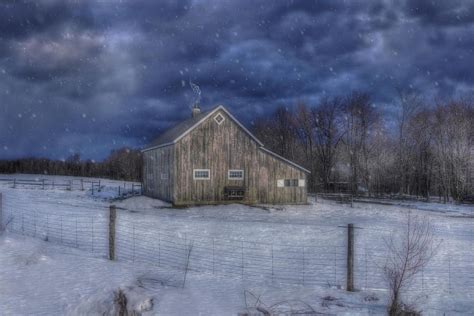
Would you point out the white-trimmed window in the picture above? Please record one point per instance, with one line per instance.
(236, 174)
(219, 118)
(291, 182)
(201, 174)
(288, 183)
(164, 176)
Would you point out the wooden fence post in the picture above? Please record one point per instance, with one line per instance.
(112, 218)
(350, 258)
(82, 185)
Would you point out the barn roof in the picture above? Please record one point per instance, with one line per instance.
(174, 134)
(170, 136)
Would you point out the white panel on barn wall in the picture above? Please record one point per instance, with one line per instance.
(301, 182)
(280, 183)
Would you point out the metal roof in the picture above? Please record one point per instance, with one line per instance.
(169, 136)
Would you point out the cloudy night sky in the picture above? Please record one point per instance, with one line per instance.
(91, 76)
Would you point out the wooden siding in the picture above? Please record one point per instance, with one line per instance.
(224, 147)
(158, 162)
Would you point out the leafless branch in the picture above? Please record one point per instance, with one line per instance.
(408, 253)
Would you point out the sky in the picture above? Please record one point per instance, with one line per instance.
(91, 76)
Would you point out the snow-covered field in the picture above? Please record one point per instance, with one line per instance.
(38, 278)
(295, 252)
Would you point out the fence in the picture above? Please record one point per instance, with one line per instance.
(78, 184)
(323, 263)
(278, 263)
(122, 190)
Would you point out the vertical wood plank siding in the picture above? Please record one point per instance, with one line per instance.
(157, 162)
(220, 148)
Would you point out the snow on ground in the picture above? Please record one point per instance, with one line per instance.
(295, 251)
(453, 208)
(41, 278)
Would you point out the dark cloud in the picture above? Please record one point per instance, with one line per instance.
(24, 18)
(441, 13)
(90, 76)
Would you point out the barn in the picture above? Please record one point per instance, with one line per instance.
(211, 158)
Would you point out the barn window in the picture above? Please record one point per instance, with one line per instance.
(164, 176)
(291, 182)
(236, 174)
(288, 183)
(202, 174)
(219, 118)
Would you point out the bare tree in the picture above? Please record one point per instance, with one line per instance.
(361, 120)
(328, 134)
(453, 147)
(278, 133)
(420, 140)
(426, 148)
(305, 130)
(409, 105)
(381, 166)
(408, 254)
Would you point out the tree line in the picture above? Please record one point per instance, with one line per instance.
(346, 142)
(348, 145)
(122, 164)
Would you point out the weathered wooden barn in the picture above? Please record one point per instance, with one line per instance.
(212, 158)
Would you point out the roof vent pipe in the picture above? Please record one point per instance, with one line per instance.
(196, 110)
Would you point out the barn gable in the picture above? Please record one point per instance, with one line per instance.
(201, 159)
(174, 134)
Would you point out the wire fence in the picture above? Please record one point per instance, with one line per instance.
(321, 263)
(83, 232)
(48, 184)
(96, 188)
(279, 263)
